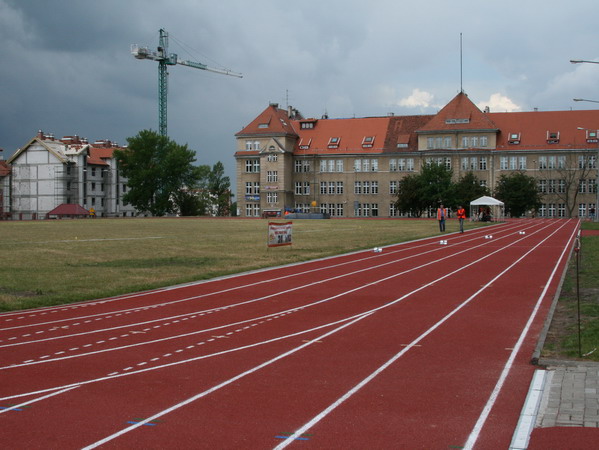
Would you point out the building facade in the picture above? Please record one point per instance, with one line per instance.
(352, 167)
(48, 172)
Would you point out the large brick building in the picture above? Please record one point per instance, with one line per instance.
(351, 167)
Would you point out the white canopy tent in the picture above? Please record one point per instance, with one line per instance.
(487, 208)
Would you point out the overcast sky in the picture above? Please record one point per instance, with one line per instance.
(66, 66)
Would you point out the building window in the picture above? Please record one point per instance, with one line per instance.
(561, 162)
(392, 165)
(272, 197)
(542, 186)
(582, 187)
(357, 187)
(552, 186)
(561, 210)
(522, 163)
(339, 165)
(393, 187)
(272, 157)
(334, 142)
(503, 163)
(542, 162)
(513, 162)
(252, 166)
(482, 163)
(582, 210)
(410, 164)
(323, 187)
(551, 164)
(272, 176)
(561, 186)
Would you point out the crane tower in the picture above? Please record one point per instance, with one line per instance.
(165, 59)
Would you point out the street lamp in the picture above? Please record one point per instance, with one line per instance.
(581, 61)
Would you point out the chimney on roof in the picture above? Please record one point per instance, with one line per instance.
(487, 109)
(536, 109)
(40, 134)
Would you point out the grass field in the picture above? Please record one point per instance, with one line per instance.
(62, 261)
(563, 338)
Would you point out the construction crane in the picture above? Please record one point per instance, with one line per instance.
(165, 59)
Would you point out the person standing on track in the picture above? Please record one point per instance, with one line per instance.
(441, 215)
(461, 217)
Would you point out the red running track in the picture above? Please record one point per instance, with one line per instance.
(420, 346)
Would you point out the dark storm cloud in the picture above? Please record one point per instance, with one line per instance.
(67, 69)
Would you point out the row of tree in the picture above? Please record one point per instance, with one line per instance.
(162, 178)
(422, 192)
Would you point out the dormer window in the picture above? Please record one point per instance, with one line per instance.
(514, 138)
(334, 142)
(304, 143)
(592, 136)
(553, 137)
(367, 142)
(262, 125)
(308, 124)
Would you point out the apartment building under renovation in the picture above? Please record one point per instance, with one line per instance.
(48, 172)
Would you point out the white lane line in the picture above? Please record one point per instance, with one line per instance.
(20, 405)
(290, 439)
(279, 293)
(291, 310)
(221, 385)
(474, 434)
(402, 247)
(250, 345)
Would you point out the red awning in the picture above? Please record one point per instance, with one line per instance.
(69, 209)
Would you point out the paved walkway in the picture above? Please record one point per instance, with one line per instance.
(571, 395)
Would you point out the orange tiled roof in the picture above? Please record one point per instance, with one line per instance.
(533, 128)
(271, 121)
(4, 169)
(98, 155)
(459, 114)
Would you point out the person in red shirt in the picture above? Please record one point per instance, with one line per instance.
(461, 216)
(441, 216)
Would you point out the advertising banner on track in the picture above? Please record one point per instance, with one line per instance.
(279, 234)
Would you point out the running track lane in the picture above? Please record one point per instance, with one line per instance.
(423, 345)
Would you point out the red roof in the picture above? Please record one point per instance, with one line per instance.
(69, 209)
(4, 169)
(534, 127)
(97, 155)
(459, 114)
(271, 121)
(543, 130)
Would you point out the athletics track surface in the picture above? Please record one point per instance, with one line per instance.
(420, 346)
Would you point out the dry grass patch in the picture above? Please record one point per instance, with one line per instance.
(61, 261)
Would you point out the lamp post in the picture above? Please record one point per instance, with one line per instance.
(586, 61)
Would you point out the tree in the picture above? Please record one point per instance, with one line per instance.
(421, 192)
(158, 170)
(468, 188)
(219, 187)
(409, 196)
(519, 193)
(570, 181)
